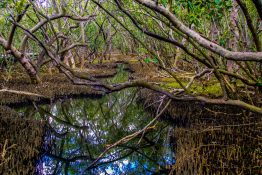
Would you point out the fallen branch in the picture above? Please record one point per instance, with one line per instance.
(21, 93)
(131, 136)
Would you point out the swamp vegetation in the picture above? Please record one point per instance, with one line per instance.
(131, 87)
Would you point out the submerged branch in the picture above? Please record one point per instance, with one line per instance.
(130, 137)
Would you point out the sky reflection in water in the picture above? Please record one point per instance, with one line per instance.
(83, 128)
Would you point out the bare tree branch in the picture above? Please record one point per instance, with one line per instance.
(236, 56)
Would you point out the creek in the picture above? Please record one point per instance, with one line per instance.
(190, 138)
(80, 129)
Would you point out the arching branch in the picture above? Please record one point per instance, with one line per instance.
(230, 55)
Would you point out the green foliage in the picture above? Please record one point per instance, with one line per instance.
(259, 82)
(150, 60)
(141, 50)
(164, 2)
(4, 3)
(202, 9)
(217, 2)
(19, 5)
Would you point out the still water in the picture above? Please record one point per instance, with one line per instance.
(206, 139)
(81, 129)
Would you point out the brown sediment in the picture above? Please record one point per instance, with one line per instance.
(102, 70)
(211, 139)
(52, 86)
(21, 140)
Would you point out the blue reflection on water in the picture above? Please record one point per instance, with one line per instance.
(108, 119)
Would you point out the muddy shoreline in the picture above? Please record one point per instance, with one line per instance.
(55, 86)
(52, 87)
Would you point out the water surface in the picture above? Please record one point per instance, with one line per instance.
(81, 129)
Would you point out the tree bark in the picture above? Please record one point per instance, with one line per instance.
(23, 59)
(205, 43)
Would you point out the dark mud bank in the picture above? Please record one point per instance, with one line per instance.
(210, 139)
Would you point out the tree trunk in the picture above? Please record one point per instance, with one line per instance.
(30, 69)
(23, 59)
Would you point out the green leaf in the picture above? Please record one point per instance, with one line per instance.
(164, 2)
(3, 3)
(217, 2)
(222, 42)
(259, 80)
(147, 60)
(155, 60)
(20, 5)
(190, 6)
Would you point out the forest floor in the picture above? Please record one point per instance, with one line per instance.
(52, 86)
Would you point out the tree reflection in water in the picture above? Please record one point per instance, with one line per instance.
(81, 129)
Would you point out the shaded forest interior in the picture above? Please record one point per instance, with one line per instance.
(130, 87)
